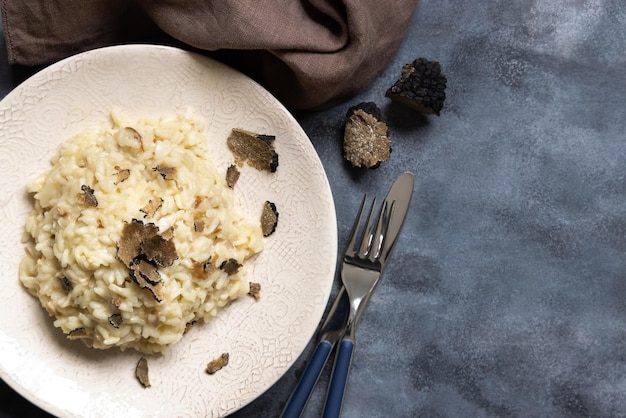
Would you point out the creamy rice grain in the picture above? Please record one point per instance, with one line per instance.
(155, 171)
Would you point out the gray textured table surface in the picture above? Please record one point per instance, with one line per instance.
(507, 295)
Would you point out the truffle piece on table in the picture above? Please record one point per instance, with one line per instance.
(366, 141)
(421, 86)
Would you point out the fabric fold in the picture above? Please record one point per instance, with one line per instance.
(308, 53)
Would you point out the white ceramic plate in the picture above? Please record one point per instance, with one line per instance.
(295, 270)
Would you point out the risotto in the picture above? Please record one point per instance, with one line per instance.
(135, 235)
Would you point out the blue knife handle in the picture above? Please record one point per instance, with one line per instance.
(339, 379)
(302, 392)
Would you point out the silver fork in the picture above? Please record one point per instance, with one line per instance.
(360, 271)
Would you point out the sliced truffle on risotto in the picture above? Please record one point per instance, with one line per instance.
(130, 137)
(78, 334)
(168, 173)
(198, 225)
(142, 372)
(230, 266)
(217, 364)
(133, 234)
(158, 250)
(151, 207)
(88, 196)
(146, 276)
(269, 218)
(366, 141)
(115, 320)
(202, 268)
(143, 271)
(255, 149)
(66, 284)
(121, 175)
(168, 234)
(116, 301)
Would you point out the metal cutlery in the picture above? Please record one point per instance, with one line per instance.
(361, 270)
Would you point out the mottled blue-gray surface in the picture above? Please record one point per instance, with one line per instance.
(507, 292)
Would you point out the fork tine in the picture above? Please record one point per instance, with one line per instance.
(377, 234)
(382, 226)
(350, 251)
(368, 232)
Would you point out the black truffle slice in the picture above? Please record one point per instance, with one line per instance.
(202, 268)
(66, 284)
(421, 86)
(129, 133)
(168, 234)
(217, 364)
(122, 175)
(146, 276)
(133, 234)
(269, 219)
(198, 225)
(168, 173)
(77, 334)
(230, 266)
(255, 290)
(232, 175)
(88, 196)
(151, 207)
(366, 141)
(188, 326)
(255, 149)
(141, 372)
(158, 250)
(115, 320)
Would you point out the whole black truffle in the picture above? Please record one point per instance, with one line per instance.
(421, 86)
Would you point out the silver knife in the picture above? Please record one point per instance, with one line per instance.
(335, 324)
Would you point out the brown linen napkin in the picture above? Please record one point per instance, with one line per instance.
(308, 53)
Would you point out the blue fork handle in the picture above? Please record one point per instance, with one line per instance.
(339, 379)
(302, 392)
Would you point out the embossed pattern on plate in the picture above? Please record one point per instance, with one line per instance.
(295, 270)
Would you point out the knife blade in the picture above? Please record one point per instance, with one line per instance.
(399, 196)
(334, 326)
(399, 199)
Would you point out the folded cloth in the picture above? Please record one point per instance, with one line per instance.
(308, 53)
